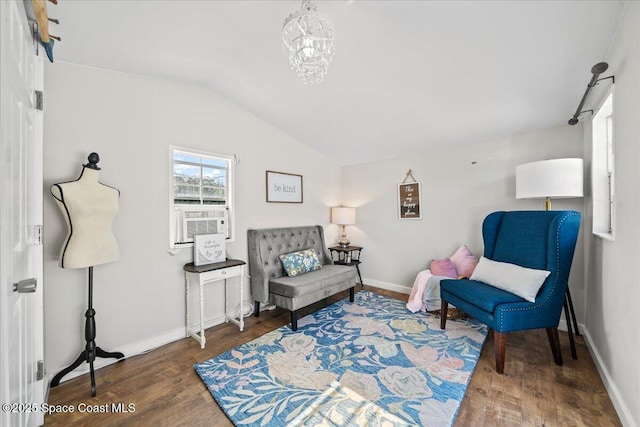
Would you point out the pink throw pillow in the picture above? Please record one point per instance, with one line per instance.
(443, 267)
(464, 261)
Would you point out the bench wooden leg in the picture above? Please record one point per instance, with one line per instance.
(352, 294)
(294, 320)
(256, 309)
(444, 307)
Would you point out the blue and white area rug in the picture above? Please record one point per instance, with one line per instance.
(370, 362)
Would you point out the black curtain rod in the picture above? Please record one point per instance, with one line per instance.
(596, 70)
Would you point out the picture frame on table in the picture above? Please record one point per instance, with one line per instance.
(208, 249)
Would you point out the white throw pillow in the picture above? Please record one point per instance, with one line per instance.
(521, 281)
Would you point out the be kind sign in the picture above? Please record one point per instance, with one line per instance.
(284, 187)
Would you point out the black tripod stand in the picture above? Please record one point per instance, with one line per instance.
(91, 351)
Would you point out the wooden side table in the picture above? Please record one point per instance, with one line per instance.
(207, 274)
(349, 255)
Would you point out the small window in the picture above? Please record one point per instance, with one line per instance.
(199, 179)
(200, 195)
(602, 169)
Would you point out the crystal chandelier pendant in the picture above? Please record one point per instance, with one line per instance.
(308, 42)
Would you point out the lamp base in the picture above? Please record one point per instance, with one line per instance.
(344, 242)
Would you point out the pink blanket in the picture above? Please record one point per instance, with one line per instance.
(416, 298)
(425, 295)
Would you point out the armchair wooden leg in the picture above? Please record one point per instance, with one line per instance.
(352, 294)
(572, 342)
(256, 309)
(499, 344)
(444, 307)
(554, 341)
(294, 320)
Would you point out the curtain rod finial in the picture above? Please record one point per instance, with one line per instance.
(599, 68)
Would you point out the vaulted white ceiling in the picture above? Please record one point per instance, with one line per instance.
(407, 75)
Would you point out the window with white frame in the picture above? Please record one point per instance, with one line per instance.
(602, 169)
(200, 195)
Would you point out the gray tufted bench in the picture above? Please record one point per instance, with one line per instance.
(270, 283)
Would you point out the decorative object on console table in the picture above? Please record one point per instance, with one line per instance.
(207, 274)
(283, 187)
(208, 248)
(349, 255)
(553, 179)
(409, 198)
(343, 216)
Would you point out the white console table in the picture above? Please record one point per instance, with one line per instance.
(207, 274)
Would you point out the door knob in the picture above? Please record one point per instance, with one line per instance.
(26, 286)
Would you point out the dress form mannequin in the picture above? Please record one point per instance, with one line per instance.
(88, 208)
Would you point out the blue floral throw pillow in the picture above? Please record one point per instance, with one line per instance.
(297, 263)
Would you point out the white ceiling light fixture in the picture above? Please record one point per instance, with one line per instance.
(308, 41)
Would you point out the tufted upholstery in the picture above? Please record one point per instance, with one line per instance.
(270, 283)
(543, 240)
(277, 241)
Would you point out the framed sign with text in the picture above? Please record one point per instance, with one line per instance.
(409, 201)
(208, 248)
(284, 187)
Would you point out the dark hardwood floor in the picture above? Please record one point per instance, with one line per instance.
(163, 388)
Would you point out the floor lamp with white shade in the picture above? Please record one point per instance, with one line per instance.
(547, 180)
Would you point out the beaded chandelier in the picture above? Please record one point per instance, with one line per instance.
(308, 42)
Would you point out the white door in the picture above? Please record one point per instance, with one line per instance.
(21, 314)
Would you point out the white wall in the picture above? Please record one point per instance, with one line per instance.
(131, 121)
(457, 194)
(613, 292)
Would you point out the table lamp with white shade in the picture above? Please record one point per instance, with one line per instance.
(553, 179)
(343, 216)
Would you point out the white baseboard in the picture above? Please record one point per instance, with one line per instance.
(562, 325)
(216, 320)
(135, 349)
(614, 394)
(387, 285)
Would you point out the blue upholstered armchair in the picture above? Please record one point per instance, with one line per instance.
(541, 240)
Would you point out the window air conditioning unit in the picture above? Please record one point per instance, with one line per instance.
(200, 221)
